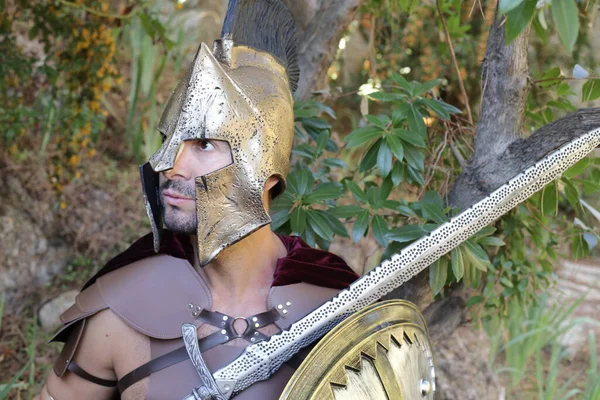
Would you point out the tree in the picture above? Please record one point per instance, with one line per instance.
(500, 150)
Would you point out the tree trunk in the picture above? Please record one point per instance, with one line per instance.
(321, 27)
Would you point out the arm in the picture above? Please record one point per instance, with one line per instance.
(95, 354)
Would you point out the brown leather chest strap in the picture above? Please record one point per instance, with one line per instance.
(82, 373)
(227, 333)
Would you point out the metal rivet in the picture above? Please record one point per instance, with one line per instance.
(198, 308)
(252, 339)
(289, 303)
(226, 337)
(223, 331)
(68, 360)
(255, 333)
(190, 306)
(284, 311)
(280, 306)
(225, 318)
(195, 314)
(257, 325)
(226, 388)
(254, 319)
(222, 323)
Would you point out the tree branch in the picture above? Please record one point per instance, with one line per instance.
(505, 84)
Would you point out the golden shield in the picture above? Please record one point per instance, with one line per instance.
(381, 352)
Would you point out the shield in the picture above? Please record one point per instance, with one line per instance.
(381, 352)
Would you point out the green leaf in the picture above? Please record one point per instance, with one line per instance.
(572, 194)
(400, 114)
(491, 241)
(397, 173)
(476, 255)
(577, 168)
(395, 146)
(507, 5)
(335, 224)
(319, 224)
(360, 226)
(379, 228)
(415, 176)
(375, 120)
(401, 81)
(458, 265)
(364, 135)
(415, 121)
(487, 231)
(550, 199)
(384, 160)
(506, 282)
(358, 193)
(437, 108)
(414, 157)
(518, 19)
(298, 220)
(279, 218)
(406, 233)
(433, 197)
(565, 15)
(305, 150)
(410, 137)
(305, 181)
(386, 188)
(335, 163)
(552, 77)
(427, 86)
(385, 96)
(325, 191)
(591, 90)
(579, 247)
(316, 123)
(345, 211)
(370, 158)
(474, 301)
(434, 213)
(438, 273)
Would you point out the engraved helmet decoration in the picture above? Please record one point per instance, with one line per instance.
(241, 93)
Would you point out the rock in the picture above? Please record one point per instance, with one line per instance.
(49, 314)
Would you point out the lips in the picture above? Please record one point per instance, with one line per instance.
(174, 198)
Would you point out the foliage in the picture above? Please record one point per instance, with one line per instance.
(526, 346)
(64, 81)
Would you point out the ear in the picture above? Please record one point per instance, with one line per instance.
(271, 182)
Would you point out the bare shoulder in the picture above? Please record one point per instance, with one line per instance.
(108, 349)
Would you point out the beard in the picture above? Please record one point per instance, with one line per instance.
(176, 219)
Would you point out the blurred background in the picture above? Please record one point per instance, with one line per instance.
(386, 116)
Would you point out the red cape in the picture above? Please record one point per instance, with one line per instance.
(302, 263)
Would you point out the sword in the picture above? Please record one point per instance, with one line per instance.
(259, 361)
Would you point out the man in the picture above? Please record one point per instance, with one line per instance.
(228, 131)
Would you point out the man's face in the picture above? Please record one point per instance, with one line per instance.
(178, 185)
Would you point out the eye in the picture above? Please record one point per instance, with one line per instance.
(204, 145)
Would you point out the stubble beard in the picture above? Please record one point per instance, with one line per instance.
(176, 219)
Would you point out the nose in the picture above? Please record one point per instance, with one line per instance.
(182, 167)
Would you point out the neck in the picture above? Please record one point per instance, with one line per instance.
(243, 270)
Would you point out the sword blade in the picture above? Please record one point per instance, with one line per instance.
(261, 360)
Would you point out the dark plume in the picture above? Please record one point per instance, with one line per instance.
(266, 25)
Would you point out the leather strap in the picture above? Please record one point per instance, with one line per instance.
(80, 372)
(226, 334)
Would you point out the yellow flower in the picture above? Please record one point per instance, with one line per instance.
(63, 205)
(78, 175)
(91, 152)
(74, 160)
